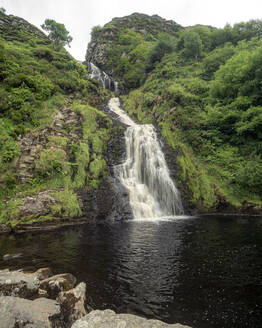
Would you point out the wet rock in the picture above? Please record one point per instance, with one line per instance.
(18, 283)
(43, 273)
(7, 257)
(17, 312)
(72, 303)
(58, 283)
(109, 319)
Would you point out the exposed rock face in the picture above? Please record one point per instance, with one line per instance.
(17, 312)
(55, 284)
(73, 303)
(38, 205)
(109, 319)
(32, 144)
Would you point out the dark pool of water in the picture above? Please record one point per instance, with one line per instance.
(204, 272)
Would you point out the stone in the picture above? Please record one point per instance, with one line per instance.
(55, 284)
(38, 205)
(43, 273)
(109, 319)
(18, 283)
(7, 257)
(72, 303)
(16, 312)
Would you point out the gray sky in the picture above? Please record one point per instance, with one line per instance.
(79, 16)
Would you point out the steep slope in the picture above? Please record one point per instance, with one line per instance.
(119, 48)
(201, 87)
(53, 139)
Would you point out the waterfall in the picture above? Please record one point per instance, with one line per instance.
(144, 173)
(107, 81)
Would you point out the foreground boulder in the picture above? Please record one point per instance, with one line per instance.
(18, 283)
(55, 284)
(73, 304)
(16, 312)
(52, 302)
(34, 285)
(40, 300)
(109, 319)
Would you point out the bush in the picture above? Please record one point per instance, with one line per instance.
(8, 149)
(250, 175)
(164, 45)
(52, 162)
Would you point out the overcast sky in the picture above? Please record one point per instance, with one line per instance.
(79, 16)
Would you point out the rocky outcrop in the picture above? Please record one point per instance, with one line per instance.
(109, 319)
(37, 205)
(40, 300)
(67, 309)
(55, 284)
(73, 303)
(12, 27)
(36, 284)
(105, 39)
(18, 312)
(32, 144)
(18, 283)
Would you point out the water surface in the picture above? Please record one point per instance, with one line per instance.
(204, 272)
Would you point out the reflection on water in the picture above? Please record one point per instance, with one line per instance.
(204, 272)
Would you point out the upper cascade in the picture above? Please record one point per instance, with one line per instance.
(145, 174)
(107, 81)
(111, 46)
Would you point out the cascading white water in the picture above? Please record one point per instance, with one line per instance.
(101, 76)
(145, 174)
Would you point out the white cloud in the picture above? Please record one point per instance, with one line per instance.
(79, 16)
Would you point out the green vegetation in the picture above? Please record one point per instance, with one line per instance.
(139, 42)
(204, 93)
(200, 85)
(57, 33)
(38, 81)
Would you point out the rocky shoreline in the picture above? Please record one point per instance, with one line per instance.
(43, 300)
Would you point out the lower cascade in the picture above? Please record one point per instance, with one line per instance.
(145, 174)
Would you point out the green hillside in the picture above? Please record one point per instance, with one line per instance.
(202, 87)
(52, 138)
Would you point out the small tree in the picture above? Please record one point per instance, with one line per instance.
(57, 33)
(192, 45)
(2, 10)
(164, 45)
